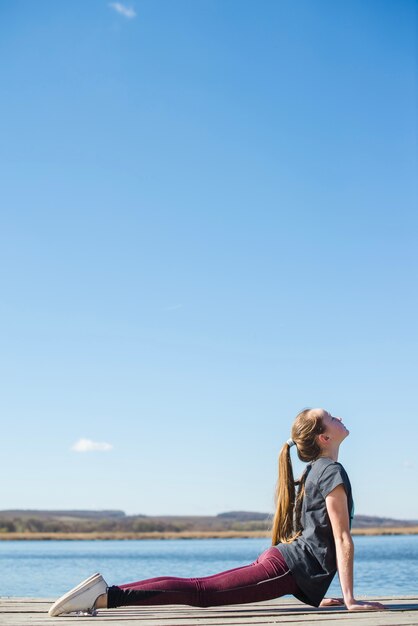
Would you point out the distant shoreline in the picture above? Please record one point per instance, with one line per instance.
(128, 536)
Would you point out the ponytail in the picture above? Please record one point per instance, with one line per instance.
(283, 523)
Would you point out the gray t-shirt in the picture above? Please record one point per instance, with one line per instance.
(311, 557)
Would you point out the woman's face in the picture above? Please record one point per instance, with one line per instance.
(334, 427)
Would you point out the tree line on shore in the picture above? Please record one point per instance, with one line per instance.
(80, 522)
(21, 521)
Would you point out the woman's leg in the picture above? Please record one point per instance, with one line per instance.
(267, 578)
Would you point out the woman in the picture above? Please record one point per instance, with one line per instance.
(311, 540)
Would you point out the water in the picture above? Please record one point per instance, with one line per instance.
(385, 566)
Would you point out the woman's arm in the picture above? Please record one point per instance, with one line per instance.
(337, 508)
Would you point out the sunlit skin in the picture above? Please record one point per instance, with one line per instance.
(334, 435)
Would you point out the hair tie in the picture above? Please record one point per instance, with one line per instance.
(290, 442)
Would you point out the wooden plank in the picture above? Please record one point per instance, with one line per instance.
(402, 611)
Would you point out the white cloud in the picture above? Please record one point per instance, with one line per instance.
(174, 307)
(87, 445)
(408, 464)
(122, 9)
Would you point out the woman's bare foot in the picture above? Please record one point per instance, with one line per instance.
(332, 602)
(101, 602)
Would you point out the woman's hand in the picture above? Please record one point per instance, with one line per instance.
(332, 602)
(357, 605)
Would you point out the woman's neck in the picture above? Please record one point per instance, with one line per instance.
(329, 454)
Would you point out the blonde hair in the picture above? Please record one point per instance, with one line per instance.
(286, 523)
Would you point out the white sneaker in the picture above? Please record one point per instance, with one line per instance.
(80, 598)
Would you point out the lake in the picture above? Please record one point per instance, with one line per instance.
(384, 565)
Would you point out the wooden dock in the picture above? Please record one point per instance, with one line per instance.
(33, 612)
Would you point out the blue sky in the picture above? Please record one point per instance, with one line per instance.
(208, 222)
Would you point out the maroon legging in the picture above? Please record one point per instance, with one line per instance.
(267, 578)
